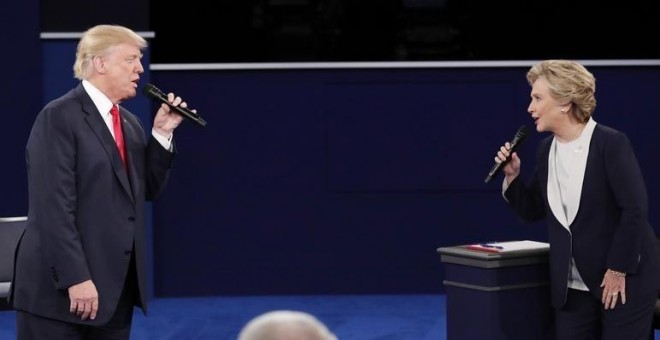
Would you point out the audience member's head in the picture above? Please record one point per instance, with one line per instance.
(285, 325)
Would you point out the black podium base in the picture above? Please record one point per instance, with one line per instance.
(497, 296)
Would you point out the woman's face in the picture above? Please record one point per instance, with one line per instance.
(546, 111)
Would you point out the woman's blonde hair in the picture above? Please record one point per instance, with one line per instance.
(569, 82)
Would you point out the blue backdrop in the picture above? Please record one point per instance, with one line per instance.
(21, 95)
(322, 181)
(346, 181)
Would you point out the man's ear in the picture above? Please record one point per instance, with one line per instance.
(99, 64)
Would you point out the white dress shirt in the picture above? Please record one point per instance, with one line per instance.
(103, 104)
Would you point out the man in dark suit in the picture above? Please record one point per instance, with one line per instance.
(587, 184)
(81, 263)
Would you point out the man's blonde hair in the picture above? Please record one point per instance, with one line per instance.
(97, 40)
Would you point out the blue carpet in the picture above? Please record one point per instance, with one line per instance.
(360, 317)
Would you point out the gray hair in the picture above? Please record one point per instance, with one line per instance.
(285, 325)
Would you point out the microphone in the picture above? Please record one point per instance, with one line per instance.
(153, 92)
(520, 136)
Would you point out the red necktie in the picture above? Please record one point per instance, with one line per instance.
(119, 136)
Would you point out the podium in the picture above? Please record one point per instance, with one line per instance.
(497, 296)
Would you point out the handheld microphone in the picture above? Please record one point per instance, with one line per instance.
(153, 92)
(520, 136)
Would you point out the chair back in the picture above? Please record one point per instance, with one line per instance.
(11, 229)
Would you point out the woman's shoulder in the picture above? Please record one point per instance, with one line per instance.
(609, 138)
(608, 132)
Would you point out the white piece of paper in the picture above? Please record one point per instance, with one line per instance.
(509, 246)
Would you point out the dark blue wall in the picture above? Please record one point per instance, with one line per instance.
(321, 181)
(346, 181)
(20, 91)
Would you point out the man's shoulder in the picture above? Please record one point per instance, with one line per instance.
(65, 102)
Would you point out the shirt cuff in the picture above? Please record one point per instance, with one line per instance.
(505, 185)
(166, 142)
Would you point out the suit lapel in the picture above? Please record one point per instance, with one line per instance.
(130, 139)
(105, 137)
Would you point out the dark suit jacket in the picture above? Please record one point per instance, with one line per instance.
(610, 229)
(86, 214)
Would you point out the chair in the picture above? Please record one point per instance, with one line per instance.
(656, 313)
(11, 229)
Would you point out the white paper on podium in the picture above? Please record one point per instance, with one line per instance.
(511, 246)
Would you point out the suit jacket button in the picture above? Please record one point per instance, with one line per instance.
(131, 219)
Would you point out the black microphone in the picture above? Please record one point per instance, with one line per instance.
(520, 136)
(153, 92)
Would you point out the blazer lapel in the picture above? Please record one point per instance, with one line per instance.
(576, 180)
(554, 195)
